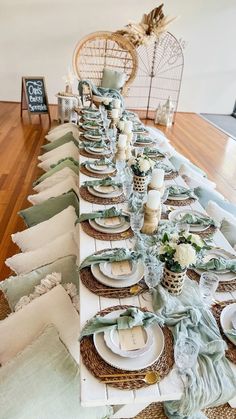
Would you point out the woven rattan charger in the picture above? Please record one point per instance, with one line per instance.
(87, 196)
(216, 310)
(88, 229)
(97, 366)
(171, 175)
(227, 286)
(180, 203)
(85, 153)
(95, 175)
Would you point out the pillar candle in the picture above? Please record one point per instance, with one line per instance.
(117, 103)
(122, 141)
(128, 126)
(115, 113)
(153, 200)
(157, 178)
(121, 125)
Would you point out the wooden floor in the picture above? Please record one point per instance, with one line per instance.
(20, 144)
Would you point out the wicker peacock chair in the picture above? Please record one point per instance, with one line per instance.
(105, 49)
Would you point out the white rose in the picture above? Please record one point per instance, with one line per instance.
(185, 255)
(196, 239)
(144, 165)
(131, 161)
(106, 101)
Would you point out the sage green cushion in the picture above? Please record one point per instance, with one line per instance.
(228, 229)
(66, 138)
(16, 287)
(42, 382)
(113, 79)
(71, 163)
(177, 161)
(47, 209)
(206, 195)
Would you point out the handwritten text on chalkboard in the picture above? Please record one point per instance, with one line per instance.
(36, 96)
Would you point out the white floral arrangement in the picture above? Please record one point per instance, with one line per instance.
(141, 165)
(179, 250)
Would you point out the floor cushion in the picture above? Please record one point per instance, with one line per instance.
(64, 163)
(60, 188)
(55, 178)
(66, 138)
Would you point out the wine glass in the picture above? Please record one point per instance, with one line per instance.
(208, 285)
(120, 165)
(136, 222)
(185, 353)
(127, 189)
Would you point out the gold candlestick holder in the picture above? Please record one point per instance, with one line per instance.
(161, 189)
(120, 153)
(151, 220)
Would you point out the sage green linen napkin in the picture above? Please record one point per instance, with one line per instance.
(108, 181)
(99, 162)
(177, 190)
(96, 144)
(142, 139)
(217, 264)
(211, 382)
(60, 141)
(43, 382)
(111, 212)
(116, 255)
(47, 209)
(16, 287)
(153, 151)
(65, 163)
(76, 162)
(130, 318)
(197, 219)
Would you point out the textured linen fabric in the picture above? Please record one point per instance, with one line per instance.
(54, 135)
(61, 127)
(43, 233)
(178, 160)
(228, 229)
(56, 178)
(53, 157)
(60, 188)
(16, 287)
(49, 208)
(64, 245)
(205, 196)
(193, 183)
(112, 79)
(65, 163)
(218, 213)
(186, 170)
(20, 328)
(42, 382)
(66, 138)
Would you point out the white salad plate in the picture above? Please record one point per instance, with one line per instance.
(102, 223)
(115, 230)
(177, 215)
(114, 194)
(99, 188)
(93, 137)
(224, 275)
(127, 282)
(96, 151)
(106, 269)
(131, 364)
(90, 168)
(228, 319)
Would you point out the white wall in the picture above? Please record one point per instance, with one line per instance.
(38, 38)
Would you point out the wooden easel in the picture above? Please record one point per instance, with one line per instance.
(25, 103)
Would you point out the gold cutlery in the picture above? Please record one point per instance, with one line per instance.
(149, 378)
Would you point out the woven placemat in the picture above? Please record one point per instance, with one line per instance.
(105, 236)
(231, 351)
(156, 411)
(4, 307)
(87, 196)
(210, 231)
(172, 175)
(96, 175)
(85, 153)
(97, 366)
(181, 203)
(227, 286)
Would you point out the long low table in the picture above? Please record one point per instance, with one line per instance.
(126, 403)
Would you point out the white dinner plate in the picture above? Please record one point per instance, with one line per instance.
(99, 188)
(91, 127)
(182, 197)
(113, 283)
(114, 194)
(106, 269)
(117, 230)
(177, 214)
(131, 364)
(227, 319)
(224, 275)
(111, 338)
(97, 151)
(93, 137)
(102, 223)
(105, 172)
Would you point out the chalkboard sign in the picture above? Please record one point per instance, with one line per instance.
(34, 96)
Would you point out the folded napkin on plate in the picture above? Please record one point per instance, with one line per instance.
(231, 334)
(197, 219)
(130, 318)
(141, 139)
(161, 165)
(177, 190)
(111, 256)
(97, 144)
(148, 150)
(217, 264)
(108, 181)
(110, 212)
(100, 162)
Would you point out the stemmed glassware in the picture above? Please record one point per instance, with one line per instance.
(185, 353)
(120, 165)
(208, 285)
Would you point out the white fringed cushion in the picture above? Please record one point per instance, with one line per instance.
(64, 245)
(228, 229)
(186, 170)
(43, 233)
(20, 329)
(203, 183)
(56, 190)
(52, 136)
(218, 213)
(61, 127)
(59, 153)
(57, 177)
